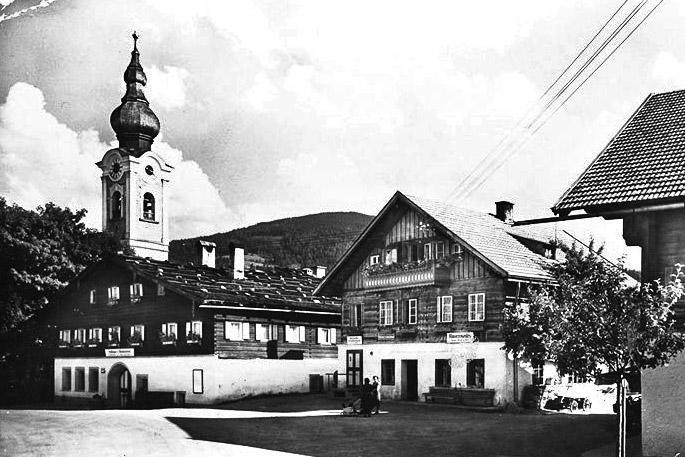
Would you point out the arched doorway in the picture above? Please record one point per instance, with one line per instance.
(119, 386)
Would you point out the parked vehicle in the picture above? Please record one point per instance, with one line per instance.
(559, 403)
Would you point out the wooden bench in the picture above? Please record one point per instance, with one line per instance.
(442, 395)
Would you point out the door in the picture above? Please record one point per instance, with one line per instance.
(410, 380)
(354, 368)
(119, 386)
(124, 388)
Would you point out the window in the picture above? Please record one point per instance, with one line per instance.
(136, 291)
(66, 378)
(427, 251)
(385, 312)
(266, 332)
(198, 386)
(355, 315)
(325, 335)
(388, 372)
(116, 205)
(95, 335)
(390, 256)
(374, 260)
(141, 383)
(413, 310)
(79, 336)
(237, 331)
(538, 374)
(79, 379)
(92, 296)
(443, 373)
(93, 379)
(475, 373)
(440, 250)
(65, 336)
(476, 307)
(160, 290)
(444, 308)
(170, 330)
(114, 335)
(148, 206)
(137, 333)
(193, 330)
(113, 294)
(294, 334)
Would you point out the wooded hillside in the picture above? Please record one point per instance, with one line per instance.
(315, 239)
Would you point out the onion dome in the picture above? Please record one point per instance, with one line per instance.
(134, 123)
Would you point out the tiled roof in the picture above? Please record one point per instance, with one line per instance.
(277, 287)
(644, 162)
(492, 238)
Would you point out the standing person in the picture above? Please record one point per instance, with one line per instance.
(377, 395)
(367, 398)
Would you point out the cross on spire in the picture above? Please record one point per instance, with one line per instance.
(135, 40)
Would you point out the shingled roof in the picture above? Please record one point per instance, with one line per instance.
(643, 164)
(497, 243)
(269, 288)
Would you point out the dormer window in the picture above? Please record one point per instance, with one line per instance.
(148, 206)
(374, 260)
(390, 256)
(116, 205)
(439, 250)
(427, 251)
(112, 295)
(92, 296)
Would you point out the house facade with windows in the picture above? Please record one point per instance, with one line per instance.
(639, 178)
(423, 288)
(135, 326)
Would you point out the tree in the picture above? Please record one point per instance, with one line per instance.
(594, 316)
(40, 252)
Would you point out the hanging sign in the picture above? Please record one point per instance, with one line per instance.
(354, 340)
(460, 337)
(120, 352)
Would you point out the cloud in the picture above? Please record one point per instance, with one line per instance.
(668, 71)
(42, 159)
(166, 87)
(6, 3)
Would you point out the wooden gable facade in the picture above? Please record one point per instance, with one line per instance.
(426, 278)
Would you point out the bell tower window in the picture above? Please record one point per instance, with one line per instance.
(148, 207)
(116, 205)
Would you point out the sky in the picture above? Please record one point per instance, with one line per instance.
(274, 109)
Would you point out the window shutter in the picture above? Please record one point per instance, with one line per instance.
(303, 337)
(396, 312)
(187, 328)
(132, 289)
(246, 330)
(164, 329)
(439, 310)
(319, 335)
(133, 329)
(142, 332)
(333, 336)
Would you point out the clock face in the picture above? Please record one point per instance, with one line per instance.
(115, 170)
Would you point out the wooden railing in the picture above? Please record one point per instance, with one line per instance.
(432, 274)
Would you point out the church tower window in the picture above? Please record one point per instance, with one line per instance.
(148, 206)
(116, 205)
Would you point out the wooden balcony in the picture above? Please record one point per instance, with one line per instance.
(431, 274)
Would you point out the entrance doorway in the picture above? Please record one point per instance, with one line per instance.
(119, 386)
(355, 367)
(410, 380)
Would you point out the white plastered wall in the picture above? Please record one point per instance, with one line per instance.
(498, 367)
(223, 379)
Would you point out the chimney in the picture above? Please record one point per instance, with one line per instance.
(320, 271)
(206, 253)
(504, 211)
(237, 261)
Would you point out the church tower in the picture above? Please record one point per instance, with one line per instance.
(135, 179)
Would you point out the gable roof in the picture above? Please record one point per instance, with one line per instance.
(277, 288)
(643, 164)
(493, 241)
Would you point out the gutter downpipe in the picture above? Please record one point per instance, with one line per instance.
(515, 361)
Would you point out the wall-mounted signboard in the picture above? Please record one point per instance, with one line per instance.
(354, 340)
(119, 352)
(460, 337)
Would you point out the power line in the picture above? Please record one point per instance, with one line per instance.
(524, 140)
(486, 173)
(465, 181)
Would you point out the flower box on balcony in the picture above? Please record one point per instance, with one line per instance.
(92, 345)
(77, 344)
(193, 338)
(168, 343)
(63, 344)
(135, 344)
(167, 340)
